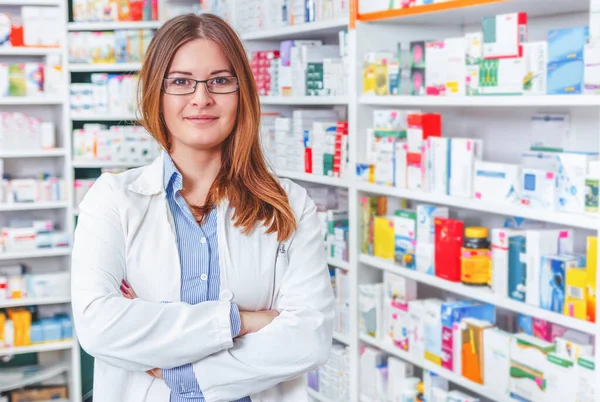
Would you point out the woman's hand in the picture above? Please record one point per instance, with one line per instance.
(127, 290)
(130, 294)
(254, 321)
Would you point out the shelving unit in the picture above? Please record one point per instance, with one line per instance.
(381, 31)
(450, 376)
(46, 347)
(93, 68)
(46, 100)
(50, 153)
(309, 30)
(60, 358)
(44, 374)
(304, 100)
(110, 26)
(33, 206)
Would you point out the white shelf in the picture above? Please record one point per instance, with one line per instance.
(308, 30)
(29, 51)
(39, 253)
(582, 221)
(36, 153)
(31, 100)
(92, 68)
(338, 263)
(304, 100)
(484, 295)
(91, 117)
(482, 101)
(44, 373)
(318, 396)
(105, 164)
(444, 373)
(313, 178)
(112, 25)
(30, 2)
(345, 339)
(458, 14)
(34, 301)
(46, 347)
(33, 206)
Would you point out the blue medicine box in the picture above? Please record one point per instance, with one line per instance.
(567, 43)
(565, 77)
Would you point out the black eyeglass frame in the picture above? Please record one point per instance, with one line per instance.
(205, 82)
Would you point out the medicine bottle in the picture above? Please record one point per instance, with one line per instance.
(475, 261)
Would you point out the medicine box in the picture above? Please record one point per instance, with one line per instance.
(501, 76)
(370, 306)
(586, 379)
(457, 396)
(504, 35)
(517, 268)
(500, 259)
(472, 352)
(389, 123)
(538, 189)
(416, 328)
(474, 48)
(496, 360)
(417, 54)
(567, 44)
(401, 164)
(575, 287)
(570, 180)
(552, 280)
(456, 70)
(565, 77)
(560, 377)
(572, 348)
(591, 262)
(452, 315)
(425, 256)
(497, 182)
(528, 366)
(535, 58)
(448, 243)
(463, 154)
(436, 70)
(591, 73)
(384, 237)
(433, 331)
(405, 232)
(438, 164)
(426, 215)
(542, 243)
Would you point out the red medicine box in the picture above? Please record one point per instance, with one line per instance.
(448, 243)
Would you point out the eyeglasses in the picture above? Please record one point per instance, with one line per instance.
(186, 86)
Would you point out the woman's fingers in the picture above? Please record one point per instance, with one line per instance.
(127, 290)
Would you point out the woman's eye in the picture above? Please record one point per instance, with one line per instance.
(180, 81)
(220, 81)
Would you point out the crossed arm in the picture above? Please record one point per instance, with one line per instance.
(138, 335)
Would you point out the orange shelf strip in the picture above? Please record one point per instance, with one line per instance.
(429, 8)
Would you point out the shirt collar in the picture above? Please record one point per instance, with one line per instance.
(171, 175)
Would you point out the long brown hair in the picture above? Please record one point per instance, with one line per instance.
(243, 179)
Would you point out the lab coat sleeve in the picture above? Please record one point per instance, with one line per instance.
(135, 335)
(297, 341)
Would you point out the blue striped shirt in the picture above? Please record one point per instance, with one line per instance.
(200, 281)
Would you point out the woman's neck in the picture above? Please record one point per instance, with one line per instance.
(198, 169)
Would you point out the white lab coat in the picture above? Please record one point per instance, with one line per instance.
(126, 231)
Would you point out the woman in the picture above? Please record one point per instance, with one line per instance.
(228, 261)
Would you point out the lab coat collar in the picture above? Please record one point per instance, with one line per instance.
(150, 182)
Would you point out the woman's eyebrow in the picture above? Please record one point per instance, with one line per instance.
(179, 72)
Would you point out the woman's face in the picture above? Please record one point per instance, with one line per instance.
(200, 120)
